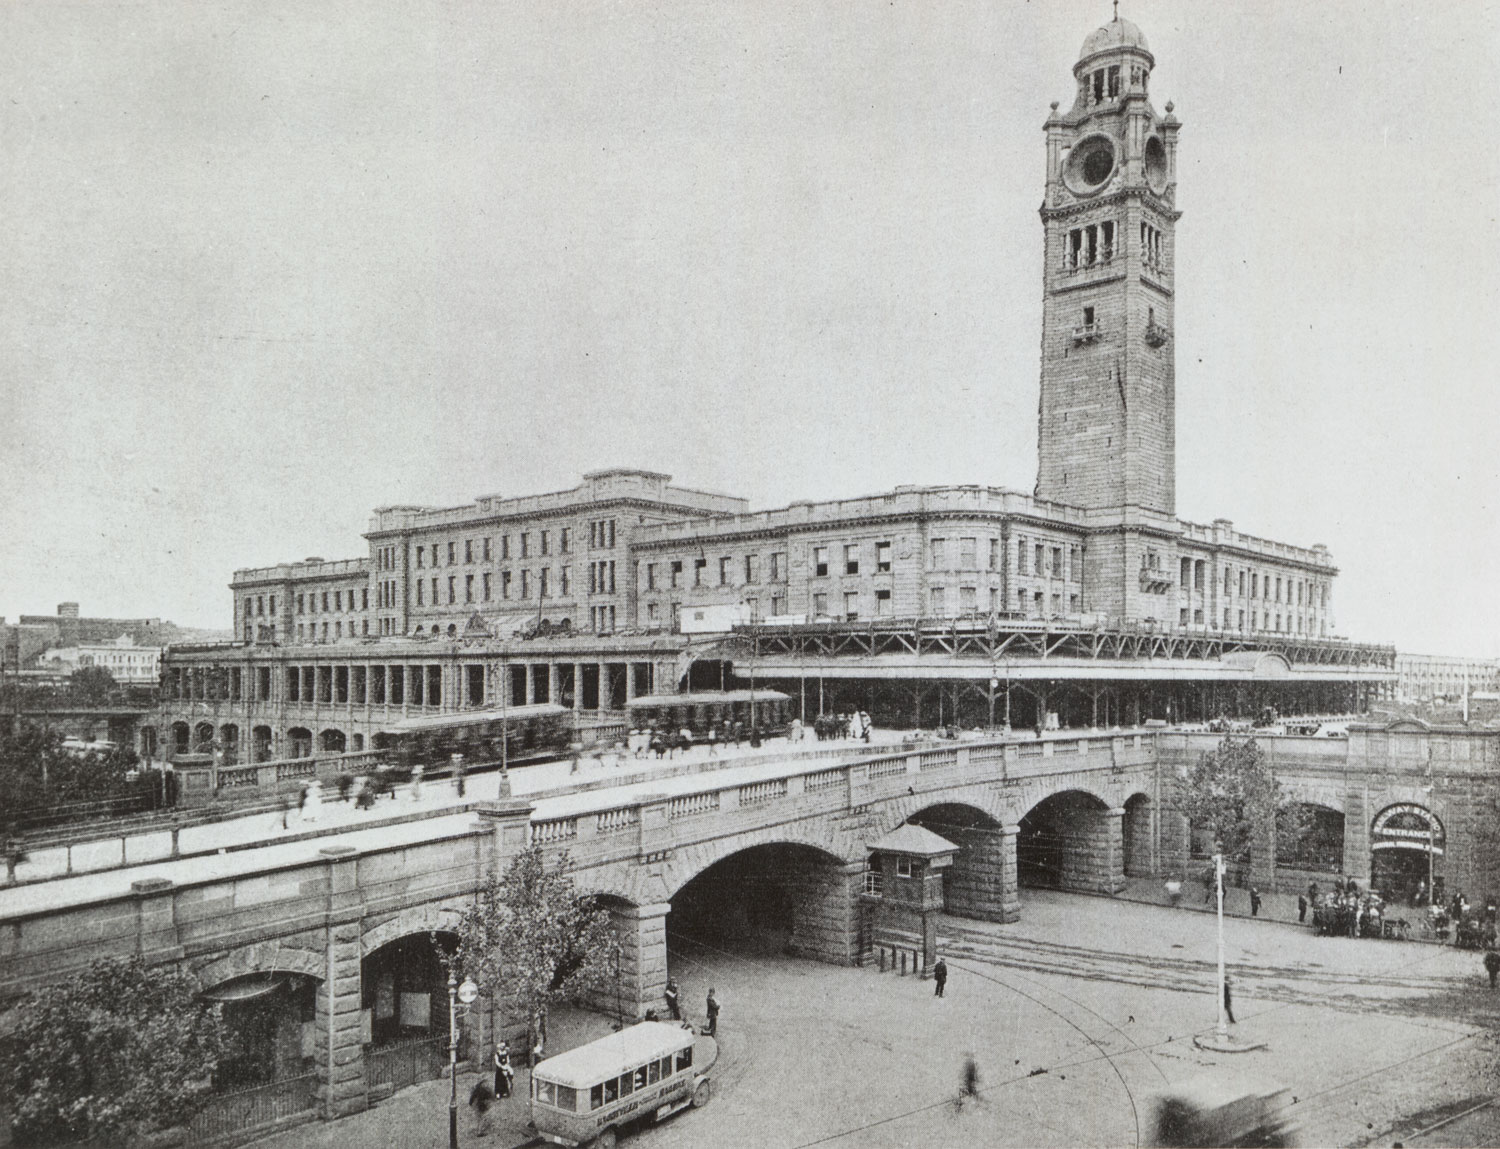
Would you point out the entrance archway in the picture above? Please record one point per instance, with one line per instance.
(262, 740)
(300, 741)
(1071, 841)
(404, 1010)
(1136, 837)
(1406, 846)
(772, 899)
(269, 1024)
(203, 737)
(331, 741)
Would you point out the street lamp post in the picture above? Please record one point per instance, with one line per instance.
(465, 993)
(1223, 1029)
(994, 682)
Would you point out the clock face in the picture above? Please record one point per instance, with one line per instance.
(1090, 164)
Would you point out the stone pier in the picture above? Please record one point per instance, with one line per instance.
(825, 924)
(981, 883)
(642, 931)
(1093, 853)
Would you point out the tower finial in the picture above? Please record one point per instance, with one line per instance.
(1117, 11)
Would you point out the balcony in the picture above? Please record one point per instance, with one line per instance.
(1157, 335)
(1153, 581)
(1086, 333)
(1081, 261)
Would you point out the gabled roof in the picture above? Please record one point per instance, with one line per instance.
(914, 840)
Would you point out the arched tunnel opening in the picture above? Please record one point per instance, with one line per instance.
(765, 901)
(1071, 841)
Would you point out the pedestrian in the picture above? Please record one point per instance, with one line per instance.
(970, 1084)
(1228, 1002)
(312, 801)
(1312, 893)
(504, 1072)
(864, 725)
(1302, 907)
(1174, 890)
(416, 782)
(940, 977)
(460, 773)
(480, 1099)
(671, 994)
(1210, 883)
(1254, 902)
(713, 1014)
(1492, 966)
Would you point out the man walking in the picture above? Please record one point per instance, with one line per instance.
(1302, 907)
(671, 995)
(713, 1014)
(1254, 902)
(940, 976)
(1228, 1002)
(1492, 966)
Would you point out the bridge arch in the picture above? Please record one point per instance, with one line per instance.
(1408, 846)
(1071, 840)
(268, 996)
(780, 895)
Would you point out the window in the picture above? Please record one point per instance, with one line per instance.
(452, 589)
(1075, 563)
(1088, 317)
(565, 540)
(325, 601)
(525, 544)
(468, 588)
(525, 584)
(505, 546)
(938, 597)
(724, 571)
(486, 590)
(820, 562)
(650, 576)
(564, 581)
(299, 605)
(939, 551)
(994, 554)
(882, 558)
(452, 551)
(1199, 569)
(820, 604)
(1021, 601)
(468, 550)
(505, 584)
(676, 572)
(435, 599)
(968, 599)
(364, 597)
(1041, 559)
(851, 605)
(419, 593)
(778, 566)
(904, 868)
(851, 558)
(543, 582)
(778, 605)
(752, 568)
(1198, 616)
(421, 552)
(968, 556)
(1021, 553)
(1057, 562)
(684, 1059)
(485, 553)
(546, 542)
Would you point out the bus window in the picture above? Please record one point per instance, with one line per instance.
(640, 1078)
(596, 1097)
(611, 1090)
(546, 1092)
(627, 1084)
(655, 1076)
(567, 1098)
(666, 1066)
(684, 1059)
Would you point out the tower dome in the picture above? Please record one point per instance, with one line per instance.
(1115, 35)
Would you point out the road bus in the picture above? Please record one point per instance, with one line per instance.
(645, 1072)
(531, 733)
(768, 712)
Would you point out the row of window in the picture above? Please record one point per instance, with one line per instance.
(1306, 592)
(482, 587)
(257, 605)
(418, 685)
(425, 555)
(1294, 624)
(340, 600)
(310, 633)
(1045, 560)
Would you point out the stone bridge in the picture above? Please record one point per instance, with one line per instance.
(1081, 812)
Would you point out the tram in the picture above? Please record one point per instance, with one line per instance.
(527, 733)
(768, 713)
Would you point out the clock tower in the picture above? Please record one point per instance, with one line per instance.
(1107, 435)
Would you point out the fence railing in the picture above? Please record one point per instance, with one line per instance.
(239, 1111)
(406, 1062)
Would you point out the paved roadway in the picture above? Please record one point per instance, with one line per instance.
(255, 841)
(1076, 1014)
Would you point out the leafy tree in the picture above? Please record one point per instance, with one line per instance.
(529, 940)
(91, 684)
(121, 1049)
(1231, 796)
(35, 770)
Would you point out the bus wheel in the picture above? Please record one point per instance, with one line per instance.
(701, 1095)
(605, 1140)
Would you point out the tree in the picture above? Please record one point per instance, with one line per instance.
(530, 940)
(120, 1050)
(91, 684)
(1231, 796)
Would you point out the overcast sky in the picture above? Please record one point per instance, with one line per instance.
(267, 266)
